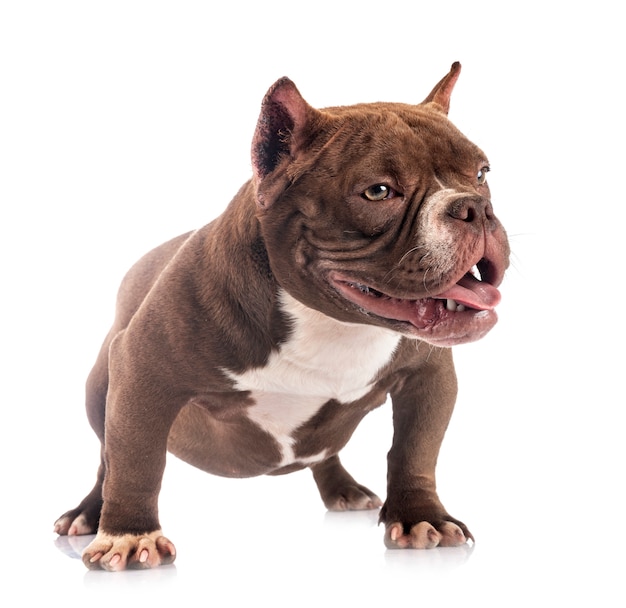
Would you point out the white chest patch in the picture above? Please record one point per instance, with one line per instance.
(323, 359)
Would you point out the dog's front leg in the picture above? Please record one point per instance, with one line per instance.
(129, 534)
(140, 412)
(422, 405)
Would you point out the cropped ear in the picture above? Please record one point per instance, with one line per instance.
(281, 129)
(443, 89)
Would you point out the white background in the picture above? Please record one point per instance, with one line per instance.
(125, 123)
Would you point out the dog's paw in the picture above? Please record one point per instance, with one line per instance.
(425, 535)
(74, 525)
(353, 498)
(83, 519)
(339, 490)
(114, 553)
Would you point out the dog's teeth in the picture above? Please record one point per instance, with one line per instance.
(362, 288)
(474, 270)
(454, 306)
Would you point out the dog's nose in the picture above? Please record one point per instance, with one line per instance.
(473, 210)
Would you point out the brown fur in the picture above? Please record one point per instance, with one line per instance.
(206, 305)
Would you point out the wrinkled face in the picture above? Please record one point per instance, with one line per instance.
(387, 220)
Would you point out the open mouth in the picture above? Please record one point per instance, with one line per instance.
(473, 295)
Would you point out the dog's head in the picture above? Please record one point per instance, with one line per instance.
(380, 213)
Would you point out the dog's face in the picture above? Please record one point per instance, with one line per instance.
(380, 214)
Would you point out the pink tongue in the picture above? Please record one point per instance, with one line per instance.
(473, 293)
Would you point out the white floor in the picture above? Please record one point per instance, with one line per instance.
(127, 124)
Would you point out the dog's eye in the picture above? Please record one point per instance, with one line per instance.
(379, 192)
(482, 175)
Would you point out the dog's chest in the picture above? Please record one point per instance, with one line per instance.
(323, 360)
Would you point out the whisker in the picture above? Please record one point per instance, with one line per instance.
(409, 252)
(388, 276)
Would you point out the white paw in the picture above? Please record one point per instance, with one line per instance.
(424, 535)
(114, 553)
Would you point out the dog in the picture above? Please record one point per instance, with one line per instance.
(362, 249)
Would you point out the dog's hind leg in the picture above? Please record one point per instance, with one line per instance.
(85, 517)
(339, 490)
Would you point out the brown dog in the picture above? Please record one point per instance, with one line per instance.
(362, 249)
